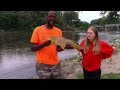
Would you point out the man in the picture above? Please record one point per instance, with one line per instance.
(47, 66)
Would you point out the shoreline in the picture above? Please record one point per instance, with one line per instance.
(109, 65)
(70, 66)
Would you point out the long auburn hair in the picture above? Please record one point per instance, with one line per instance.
(96, 42)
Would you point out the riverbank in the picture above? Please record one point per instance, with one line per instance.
(71, 68)
(17, 61)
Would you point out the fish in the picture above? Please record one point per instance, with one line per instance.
(62, 41)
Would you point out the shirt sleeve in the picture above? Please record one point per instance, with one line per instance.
(107, 50)
(60, 34)
(34, 37)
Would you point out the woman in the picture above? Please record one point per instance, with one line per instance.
(94, 51)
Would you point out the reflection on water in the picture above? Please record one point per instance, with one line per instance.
(16, 56)
(15, 39)
(17, 61)
(80, 36)
(72, 36)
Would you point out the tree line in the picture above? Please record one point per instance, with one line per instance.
(112, 17)
(66, 20)
(28, 20)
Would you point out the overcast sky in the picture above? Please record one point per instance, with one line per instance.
(89, 15)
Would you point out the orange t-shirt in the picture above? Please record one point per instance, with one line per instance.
(48, 54)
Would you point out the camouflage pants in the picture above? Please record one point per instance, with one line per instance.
(45, 71)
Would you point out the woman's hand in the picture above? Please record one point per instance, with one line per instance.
(59, 49)
(68, 46)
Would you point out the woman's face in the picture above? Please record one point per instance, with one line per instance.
(90, 34)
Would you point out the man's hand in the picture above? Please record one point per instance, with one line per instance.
(47, 43)
(68, 46)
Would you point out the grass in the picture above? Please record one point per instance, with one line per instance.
(78, 59)
(111, 76)
(75, 58)
(80, 76)
(105, 76)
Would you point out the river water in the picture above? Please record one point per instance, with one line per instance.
(17, 61)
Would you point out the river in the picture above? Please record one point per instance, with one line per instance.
(17, 61)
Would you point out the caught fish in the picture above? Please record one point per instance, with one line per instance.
(62, 41)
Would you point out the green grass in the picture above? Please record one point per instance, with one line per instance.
(78, 59)
(105, 76)
(114, 39)
(80, 76)
(111, 76)
(74, 58)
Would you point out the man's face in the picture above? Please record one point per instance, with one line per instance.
(51, 18)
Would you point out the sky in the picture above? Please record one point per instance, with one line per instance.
(89, 15)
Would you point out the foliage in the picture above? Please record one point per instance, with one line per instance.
(112, 17)
(69, 17)
(8, 20)
(111, 76)
(84, 25)
(111, 13)
(28, 20)
(105, 76)
(80, 76)
(66, 20)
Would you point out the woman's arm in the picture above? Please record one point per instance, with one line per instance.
(107, 50)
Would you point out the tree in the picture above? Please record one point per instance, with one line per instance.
(84, 25)
(111, 13)
(70, 20)
(69, 17)
(112, 16)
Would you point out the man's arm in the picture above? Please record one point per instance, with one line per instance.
(35, 46)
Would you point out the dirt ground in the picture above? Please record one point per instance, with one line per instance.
(112, 64)
(71, 68)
